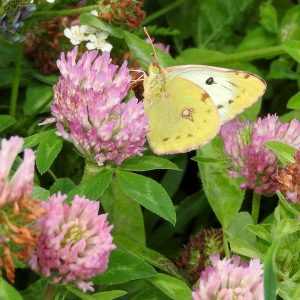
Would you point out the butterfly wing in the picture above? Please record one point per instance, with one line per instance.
(231, 91)
(181, 118)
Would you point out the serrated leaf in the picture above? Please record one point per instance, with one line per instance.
(123, 267)
(294, 102)
(47, 151)
(285, 153)
(147, 163)
(63, 185)
(95, 22)
(7, 291)
(141, 50)
(148, 193)
(6, 121)
(292, 48)
(171, 286)
(94, 186)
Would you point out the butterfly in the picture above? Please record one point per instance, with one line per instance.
(187, 104)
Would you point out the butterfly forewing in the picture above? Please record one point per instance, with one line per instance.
(181, 118)
(231, 91)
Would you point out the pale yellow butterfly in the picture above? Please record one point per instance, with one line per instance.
(186, 105)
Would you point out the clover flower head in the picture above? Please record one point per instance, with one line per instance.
(249, 157)
(90, 112)
(230, 278)
(18, 210)
(74, 243)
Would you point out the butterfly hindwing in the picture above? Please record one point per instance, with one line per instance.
(231, 91)
(181, 118)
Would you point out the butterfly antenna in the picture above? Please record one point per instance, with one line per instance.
(150, 41)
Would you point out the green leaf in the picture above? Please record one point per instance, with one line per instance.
(6, 121)
(242, 247)
(257, 38)
(115, 202)
(290, 25)
(171, 286)
(282, 68)
(7, 291)
(205, 160)
(142, 50)
(95, 22)
(150, 294)
(261, 231)
(294, 102)
(172, 180)
(292, 48)
(148, 193)
(147, 163)
(123, 267)
(63, 185)
(47, 151)
(270, 286)
(268, 17)
(40, 193)
(108, 295)
(238, 228)
(223, 193)
(35, 139)
(38, 96)
(285, 153)
(289, 290)
(198, 56)
(151, 256)
(35, 291)
(217, 20)
(94, 186)
(191, 207)
(287, 205)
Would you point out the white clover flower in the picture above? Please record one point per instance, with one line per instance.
(98, 41)
(94, 13)
(50, 1)
(77, 34)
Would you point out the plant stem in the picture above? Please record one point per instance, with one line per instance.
(163, 11)
(255, 207)
(49, 292)
(64, 12)
(225, 245)
(16, 81)
(51, 173)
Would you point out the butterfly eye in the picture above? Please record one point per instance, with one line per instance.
(209, 81)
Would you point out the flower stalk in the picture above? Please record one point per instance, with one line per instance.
(255, 207)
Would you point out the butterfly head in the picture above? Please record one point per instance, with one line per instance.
(155, 82)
